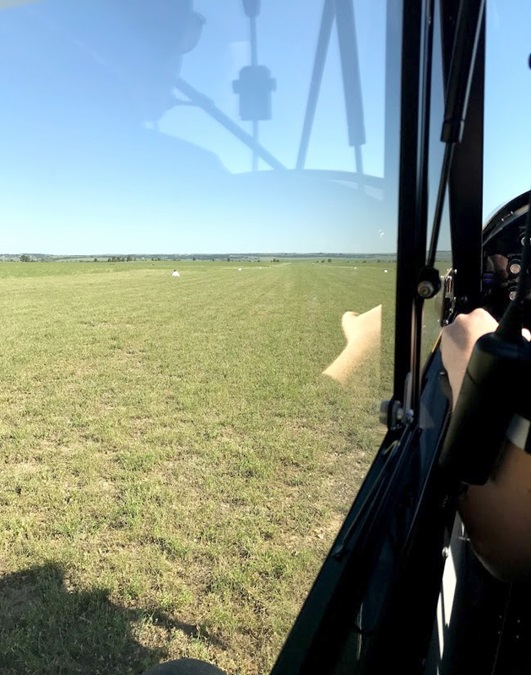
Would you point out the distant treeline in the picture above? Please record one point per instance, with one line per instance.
(227, 257)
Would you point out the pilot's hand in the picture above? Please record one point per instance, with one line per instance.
(457, 343)
(458, 340)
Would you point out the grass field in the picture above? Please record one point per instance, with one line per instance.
(173, 466)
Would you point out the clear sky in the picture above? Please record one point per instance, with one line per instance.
(93, 163)
(508, 102)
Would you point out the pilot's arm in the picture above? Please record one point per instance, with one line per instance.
(362, 333)
(497, 515)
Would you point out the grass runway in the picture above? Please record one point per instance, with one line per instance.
(173, 465)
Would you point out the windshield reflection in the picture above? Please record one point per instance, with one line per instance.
(111, 104)
(213, 197)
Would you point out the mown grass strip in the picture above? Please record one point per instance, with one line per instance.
(173, 465)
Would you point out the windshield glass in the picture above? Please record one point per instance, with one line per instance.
(507, 77)
(199, 202)
(506, 131)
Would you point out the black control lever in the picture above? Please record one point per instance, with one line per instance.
(488, 399)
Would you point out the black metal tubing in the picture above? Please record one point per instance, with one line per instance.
(465, 189)
(458, 80)
(403, 636)
(411, 252)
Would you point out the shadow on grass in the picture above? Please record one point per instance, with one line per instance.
(45, 629)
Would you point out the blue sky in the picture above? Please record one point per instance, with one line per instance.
(508, 102)
(83, 172)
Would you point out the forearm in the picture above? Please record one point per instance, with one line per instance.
(497, 517)
(363, 338)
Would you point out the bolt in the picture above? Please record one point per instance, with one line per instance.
(425, 289)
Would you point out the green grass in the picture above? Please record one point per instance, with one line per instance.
(173, 466)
